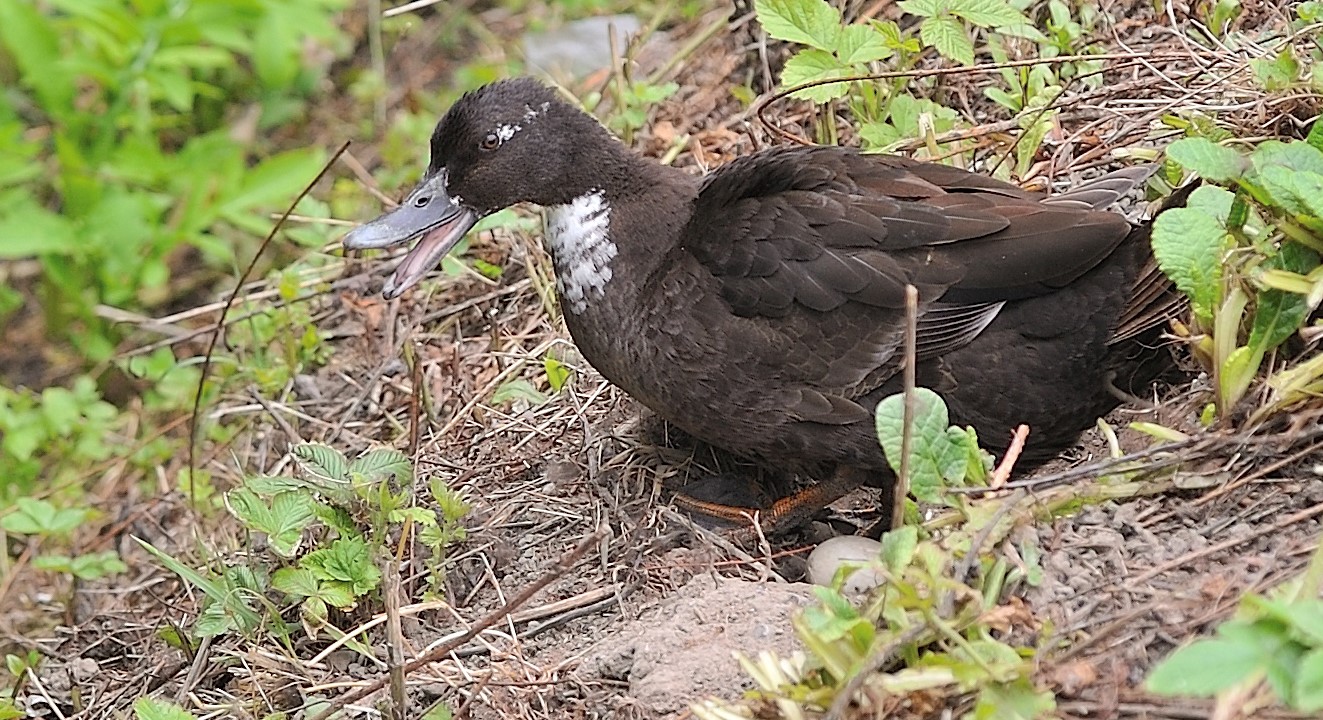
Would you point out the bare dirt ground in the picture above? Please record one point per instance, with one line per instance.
(648, 621)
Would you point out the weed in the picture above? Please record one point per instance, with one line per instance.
(1245, 250)
(328, 531)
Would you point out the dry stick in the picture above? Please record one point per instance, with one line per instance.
(562, 566)
(391, 589)
(907, 417)
(220, 322)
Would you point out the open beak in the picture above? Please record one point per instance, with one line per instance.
(428, 213)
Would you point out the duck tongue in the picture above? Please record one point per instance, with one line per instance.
(424, 256)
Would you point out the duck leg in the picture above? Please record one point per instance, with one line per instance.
(788, 512)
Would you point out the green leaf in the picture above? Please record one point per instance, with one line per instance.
(948, 36)
(807, 22)
(517, 389)
(146, 708)
(861, 44)
(323, 460)
(922, 8)
(298, 582)
(898, 548)
(1188, 245)
(1277, 316)
(558, 373)
(380, 463)
(812, 65)
(937, 451)
(1315, 137)
(1309, 682)
(1204, 668)
(1016, 700)
(347, 560)
(989, 13)
(40, 517)
(1210, 160)
(28, 230)
(1279, 73)
(227, 608)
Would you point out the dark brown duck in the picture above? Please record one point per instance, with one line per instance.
(761, 308)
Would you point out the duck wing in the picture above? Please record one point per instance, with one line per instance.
(813, 247)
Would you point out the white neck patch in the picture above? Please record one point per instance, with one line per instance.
(581, 249)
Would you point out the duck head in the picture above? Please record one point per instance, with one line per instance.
(508, 142)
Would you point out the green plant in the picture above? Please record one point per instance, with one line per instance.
(147, 708)
(921, 631)
(1246, 252)
(1275, 638)
(134, 160)
(41, 521)
(328, 530)
(941, 456)
(52, 435)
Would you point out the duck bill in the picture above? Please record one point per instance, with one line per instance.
(428, 214)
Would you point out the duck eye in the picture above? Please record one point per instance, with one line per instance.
(491, 142)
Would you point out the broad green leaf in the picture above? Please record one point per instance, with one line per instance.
(1189, 245)
(1309, 189)
(1315, 137)
(877, 136)
(1276, 166)
(813, 65)
(275, 182)
(1210, 160)
(1214, 201)
(861, 44)
(807, 22)
(347, 560)
(28, 229)
(1309, 682)
(989, 13)
(1277, 316)
(922, 8)
(949, 37)
(898, 548)
(937, 451)
(1204, 668)
(1279, 73)
(295, 581)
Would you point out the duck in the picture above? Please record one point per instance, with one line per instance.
(762, 308)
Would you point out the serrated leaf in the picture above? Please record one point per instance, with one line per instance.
(323, 460)
(948, 36)
(1210, 160)
(807, 22)
(1279, 73)
(298, 582)
(861, 44)
(1188, 245)
(558, 373)
(922, 8)
(380, 463)
(810, 66)
(989, 13)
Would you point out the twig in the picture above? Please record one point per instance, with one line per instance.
(907, 423)
(220, 322)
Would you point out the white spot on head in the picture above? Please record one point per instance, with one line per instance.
(581, 249)
(505, 132)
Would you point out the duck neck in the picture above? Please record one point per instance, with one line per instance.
(615, 231)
